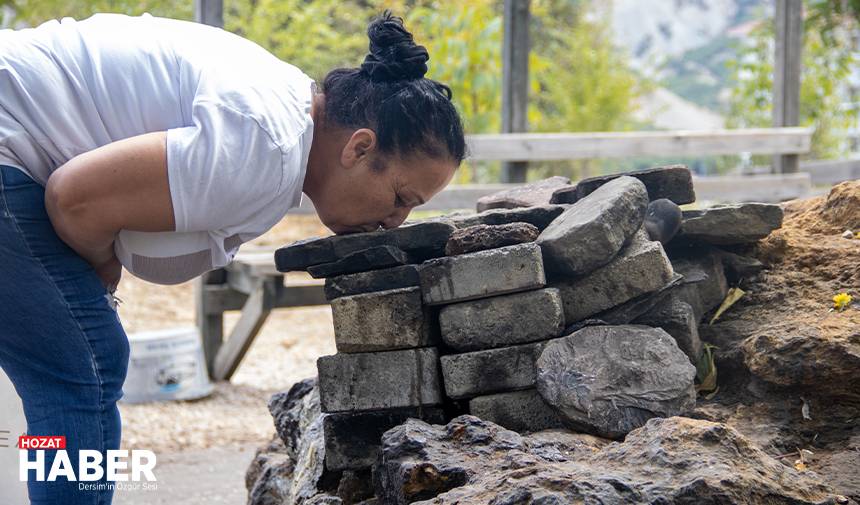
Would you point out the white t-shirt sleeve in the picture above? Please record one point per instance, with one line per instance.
(222, 171)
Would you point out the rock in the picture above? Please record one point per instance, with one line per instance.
(662, 220)
(674, 460)
(641, 267)
(673, 182)
(609, 380)
(383, 321)
(704, 286)
(422, 240)
(484, 236)
(527, 195)
(482, 274)
(630, 310)
(676, 317)
(849, 234)
(731, 224)
(737, 267)
(490, 371)
(403, 276)
(269, 478)
(540, 216)
(361, 261)
(352, 439)
(504, 320)
(521, 411)
(293, 411)
(592, 231)
(379, 380)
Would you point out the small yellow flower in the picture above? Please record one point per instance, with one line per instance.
(841, 301)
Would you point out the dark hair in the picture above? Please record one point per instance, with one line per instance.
(390, 95)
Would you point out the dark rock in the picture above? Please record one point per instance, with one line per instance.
(540, 216)
(404, 276)
(527, 195)
(592, 231)
(380, 380)
(356, 487)
(677, 318)
(738, 268)
(609, 380)
(289, 410)
(503, 320)
(482, 274)
(673, 182)
(704, 286)
(484, 236)
(422, 240)
(521, 411)
(269, 478)
(493, 370)
(628, 311)
(383, 321)
(662, 220)
(352, 439)
(731, 224)
(674, 460)
(373, 258)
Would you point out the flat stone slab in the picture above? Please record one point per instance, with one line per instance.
(521, 411)
(540, 216)
(628, 311)
(353, 439)
(674, 182)
(385, 279)
(379, 380)
(731, 224)
(592, 231)
(485, 236)
(504, 320)
(494, 370)
(482, 274)
(609, 380)
(704, 286)
(386, 320)
(527, 195)
(641, 267)
(361, 261)
(677, 318)
(422, 240)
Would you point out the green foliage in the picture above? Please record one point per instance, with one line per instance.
(35, 12)
(827, 62)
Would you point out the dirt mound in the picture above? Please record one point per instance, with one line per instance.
(838, 212)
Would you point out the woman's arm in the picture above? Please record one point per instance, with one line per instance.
(121, 185)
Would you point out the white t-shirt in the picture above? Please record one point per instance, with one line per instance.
(238, 124)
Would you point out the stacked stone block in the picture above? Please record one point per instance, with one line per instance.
(525, 316)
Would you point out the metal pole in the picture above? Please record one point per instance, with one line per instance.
(786, 74)
(209, 12)
(515, 80)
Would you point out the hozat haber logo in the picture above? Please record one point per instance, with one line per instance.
(120, 468)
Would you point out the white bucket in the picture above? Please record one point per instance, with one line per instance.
(166, 365)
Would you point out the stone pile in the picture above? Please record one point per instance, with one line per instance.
(562, 306)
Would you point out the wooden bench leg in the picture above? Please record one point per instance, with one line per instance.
(254, 314)
(211, 325)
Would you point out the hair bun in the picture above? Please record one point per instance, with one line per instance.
(393, 54)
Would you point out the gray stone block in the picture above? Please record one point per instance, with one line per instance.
(422, 240)
(482, 274)
(731, 224)
(592, 231)
(609, 380)
(676, 317)
(632, 309)
(527, 195)
(485, 236)
(704, 285)
(403, 276)
(379, 380)
(353, 439)
(382, 321)
(490, 371)
(641, 267)
(369, 259)
(539, 216)
(673, 182)
(522, 411)
(502, 320)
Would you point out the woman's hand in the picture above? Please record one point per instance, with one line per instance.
(110, 272)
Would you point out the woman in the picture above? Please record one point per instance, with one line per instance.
(161, 146)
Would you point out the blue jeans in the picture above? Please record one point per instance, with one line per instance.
(61, 342)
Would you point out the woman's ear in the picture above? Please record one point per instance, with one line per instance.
(360, 144)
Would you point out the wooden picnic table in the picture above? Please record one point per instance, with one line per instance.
(252, 285)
